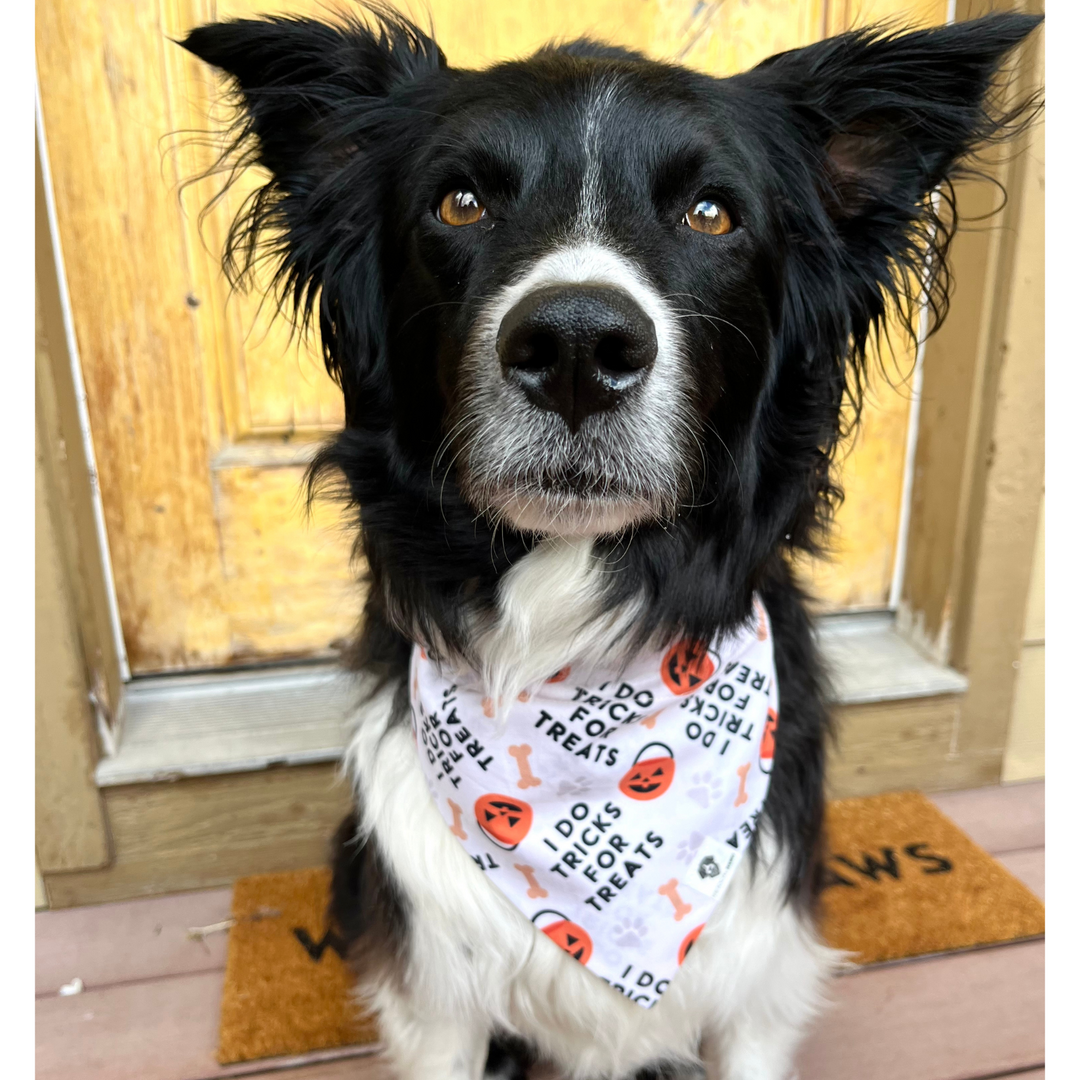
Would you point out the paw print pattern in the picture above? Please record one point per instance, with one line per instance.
(572, 788)
(707, 789)
(629, 933)
(687, 848)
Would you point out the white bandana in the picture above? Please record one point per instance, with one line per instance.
(612, 813)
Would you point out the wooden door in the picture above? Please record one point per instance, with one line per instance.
(204, 411)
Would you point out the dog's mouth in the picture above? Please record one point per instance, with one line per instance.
(514, 475)
(567, 513)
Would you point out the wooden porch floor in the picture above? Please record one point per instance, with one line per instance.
(149, 1010)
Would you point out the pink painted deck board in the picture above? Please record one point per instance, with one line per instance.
(160, 1029)
(163, 1029)
(1008, 817)
(1029, 867)
(135, 939)
(365, 1068)
(150, 1011)
(948, 1018)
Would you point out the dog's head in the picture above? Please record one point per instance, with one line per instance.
(588, 293)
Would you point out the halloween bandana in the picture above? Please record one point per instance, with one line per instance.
(612, 809)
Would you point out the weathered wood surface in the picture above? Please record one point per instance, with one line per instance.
(214, 564)
(205, 832)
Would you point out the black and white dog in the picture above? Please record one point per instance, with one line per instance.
(594, 318)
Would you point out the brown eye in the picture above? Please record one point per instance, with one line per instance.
(461, 208)
(709, 217)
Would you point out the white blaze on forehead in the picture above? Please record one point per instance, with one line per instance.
(599, 102)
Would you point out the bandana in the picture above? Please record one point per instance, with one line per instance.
(613, 811)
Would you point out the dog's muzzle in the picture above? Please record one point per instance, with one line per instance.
(576, 350)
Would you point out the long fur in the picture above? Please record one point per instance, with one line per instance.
(505, 542)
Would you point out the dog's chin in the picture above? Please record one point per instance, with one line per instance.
(572, 516)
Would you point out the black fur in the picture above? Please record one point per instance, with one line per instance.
(826, 157)
(367, 910)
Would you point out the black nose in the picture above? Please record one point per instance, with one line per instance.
(576, 349)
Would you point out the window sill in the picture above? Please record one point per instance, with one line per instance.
(199, 725)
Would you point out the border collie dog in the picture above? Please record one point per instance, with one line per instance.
(594, 318)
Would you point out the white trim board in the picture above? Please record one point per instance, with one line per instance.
(200, 725)
(869, 660)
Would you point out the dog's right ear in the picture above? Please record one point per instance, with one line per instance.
(301, 82)
(318, 107)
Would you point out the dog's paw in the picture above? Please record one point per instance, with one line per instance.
(509, 1058)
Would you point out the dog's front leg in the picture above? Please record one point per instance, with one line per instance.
(751, 1050)
(423, 1046)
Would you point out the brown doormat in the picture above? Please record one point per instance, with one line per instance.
(901, 880)
(286, 986)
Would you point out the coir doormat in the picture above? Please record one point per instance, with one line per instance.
(900, 880)
(286, 984)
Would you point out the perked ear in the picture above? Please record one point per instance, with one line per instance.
(316, 108)
(893, 113)
(301, 80)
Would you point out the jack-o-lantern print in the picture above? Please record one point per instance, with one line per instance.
(686, 666)
(505, 820)
(568, 935)
(652, 773)
(688, 941)
(768, 742)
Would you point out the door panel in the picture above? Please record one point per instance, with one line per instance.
(203, 408)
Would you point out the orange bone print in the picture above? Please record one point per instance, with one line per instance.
(650, 721)
(456, 828)
(742, 797)
(671, 891)
(521, 755)
(536, 890)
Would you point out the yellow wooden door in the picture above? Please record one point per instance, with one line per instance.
(204, 411)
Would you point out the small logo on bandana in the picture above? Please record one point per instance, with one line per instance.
(711, 868)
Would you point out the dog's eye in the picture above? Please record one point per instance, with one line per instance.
(461, 208)
(709, 216)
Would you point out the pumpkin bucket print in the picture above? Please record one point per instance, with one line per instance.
(652, 773)
(768, 742)
(688, 942)
(570, 937)
(504, 820)
(685, 666)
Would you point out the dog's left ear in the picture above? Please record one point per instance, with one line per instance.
(892, 114)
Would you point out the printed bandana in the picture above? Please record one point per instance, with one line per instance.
(612, 813)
